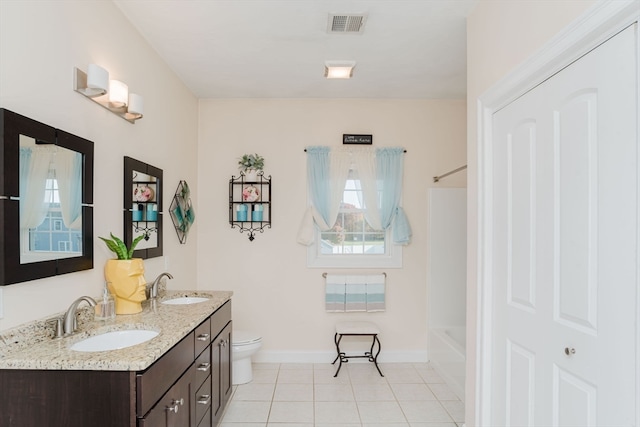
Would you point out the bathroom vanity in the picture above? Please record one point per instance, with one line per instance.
(180, 378)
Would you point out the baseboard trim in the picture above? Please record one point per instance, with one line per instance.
(328, 357)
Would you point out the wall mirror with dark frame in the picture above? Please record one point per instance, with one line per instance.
(46, 198)
(143, 207)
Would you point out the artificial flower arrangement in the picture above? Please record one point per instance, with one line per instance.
(250, 193)
(142, 193)
(251, 161)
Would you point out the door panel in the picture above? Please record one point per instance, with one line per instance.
(564, 213)
(576, 201)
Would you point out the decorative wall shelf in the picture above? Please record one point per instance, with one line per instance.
(250, 203)
(143, 207)
(181, 211)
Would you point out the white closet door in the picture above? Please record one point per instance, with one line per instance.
(565, 246)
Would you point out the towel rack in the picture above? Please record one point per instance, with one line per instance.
(325, 274)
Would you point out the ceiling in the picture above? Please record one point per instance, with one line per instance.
(277, 48)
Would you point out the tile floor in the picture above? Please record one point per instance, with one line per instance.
(307, 395)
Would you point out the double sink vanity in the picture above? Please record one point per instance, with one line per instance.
(169, 365)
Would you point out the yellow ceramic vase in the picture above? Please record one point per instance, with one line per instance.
(125, 279)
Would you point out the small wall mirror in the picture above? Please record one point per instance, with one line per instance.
(143, 207)
(46, 192)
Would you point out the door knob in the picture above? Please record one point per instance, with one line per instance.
(569, 351)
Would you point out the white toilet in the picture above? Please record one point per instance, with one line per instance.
(244, 344)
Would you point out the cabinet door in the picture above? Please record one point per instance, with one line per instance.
(216, 400)
(176, 407)
(225, 366)
(221, 373)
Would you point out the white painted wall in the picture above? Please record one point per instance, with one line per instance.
(275, 294)
(500, 35)
(40, 43)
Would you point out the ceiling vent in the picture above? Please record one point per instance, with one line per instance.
(346, 24)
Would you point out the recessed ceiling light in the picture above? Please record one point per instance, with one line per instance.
(339, 69)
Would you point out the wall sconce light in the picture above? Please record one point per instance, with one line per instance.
(339, 69)
(111, 94)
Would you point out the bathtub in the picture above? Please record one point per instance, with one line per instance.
(448, 356)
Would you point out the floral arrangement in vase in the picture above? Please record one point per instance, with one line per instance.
(250, 165)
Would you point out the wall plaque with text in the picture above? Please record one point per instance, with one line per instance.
(357, 139)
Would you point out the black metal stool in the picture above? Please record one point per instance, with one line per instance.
(357, 329)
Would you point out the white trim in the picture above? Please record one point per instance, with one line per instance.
(598, 24)
(417, 356)
(391, 259)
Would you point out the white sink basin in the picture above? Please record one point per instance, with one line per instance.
(185, 300)
(114, 340)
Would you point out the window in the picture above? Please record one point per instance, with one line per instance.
(52, 235)
(355, 191)
(351, 242)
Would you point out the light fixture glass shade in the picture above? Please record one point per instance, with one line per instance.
(118, 94)
(97, 81)
(342, 70)
(136, 106)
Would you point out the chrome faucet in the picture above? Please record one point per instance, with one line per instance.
(153, 288)
(69, 320)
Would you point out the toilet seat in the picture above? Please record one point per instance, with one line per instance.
(239, 338)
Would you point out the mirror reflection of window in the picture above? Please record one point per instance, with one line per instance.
(50, 201)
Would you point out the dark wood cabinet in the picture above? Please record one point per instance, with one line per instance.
(221, 375)
(188, 386)
(176, 408)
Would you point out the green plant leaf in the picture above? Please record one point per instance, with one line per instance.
(122, 248)
(134, 244)
(111, 245)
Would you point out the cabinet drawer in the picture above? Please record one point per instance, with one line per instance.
(203, 366)
(220, 318)
(174, 408)
(203, 399)
(203, 336)
(206, 420)
(152, 383)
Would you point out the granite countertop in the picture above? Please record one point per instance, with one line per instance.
(32, 346)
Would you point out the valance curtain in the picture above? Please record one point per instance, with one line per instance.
(380, 174)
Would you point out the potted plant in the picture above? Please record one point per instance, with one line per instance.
(125, 276)
(250, 165)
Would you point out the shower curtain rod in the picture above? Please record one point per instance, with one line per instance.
(437, 178)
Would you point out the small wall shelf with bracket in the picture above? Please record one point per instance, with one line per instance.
(250, 203)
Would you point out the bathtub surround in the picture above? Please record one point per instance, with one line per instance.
(447, 284)
(447, 356)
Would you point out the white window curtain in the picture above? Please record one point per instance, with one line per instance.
(34, 171)
(380, 174)
(68, 172)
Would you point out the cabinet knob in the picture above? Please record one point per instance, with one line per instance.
(203, 337)
(204, 399)
(204, 366)
(175, 404)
